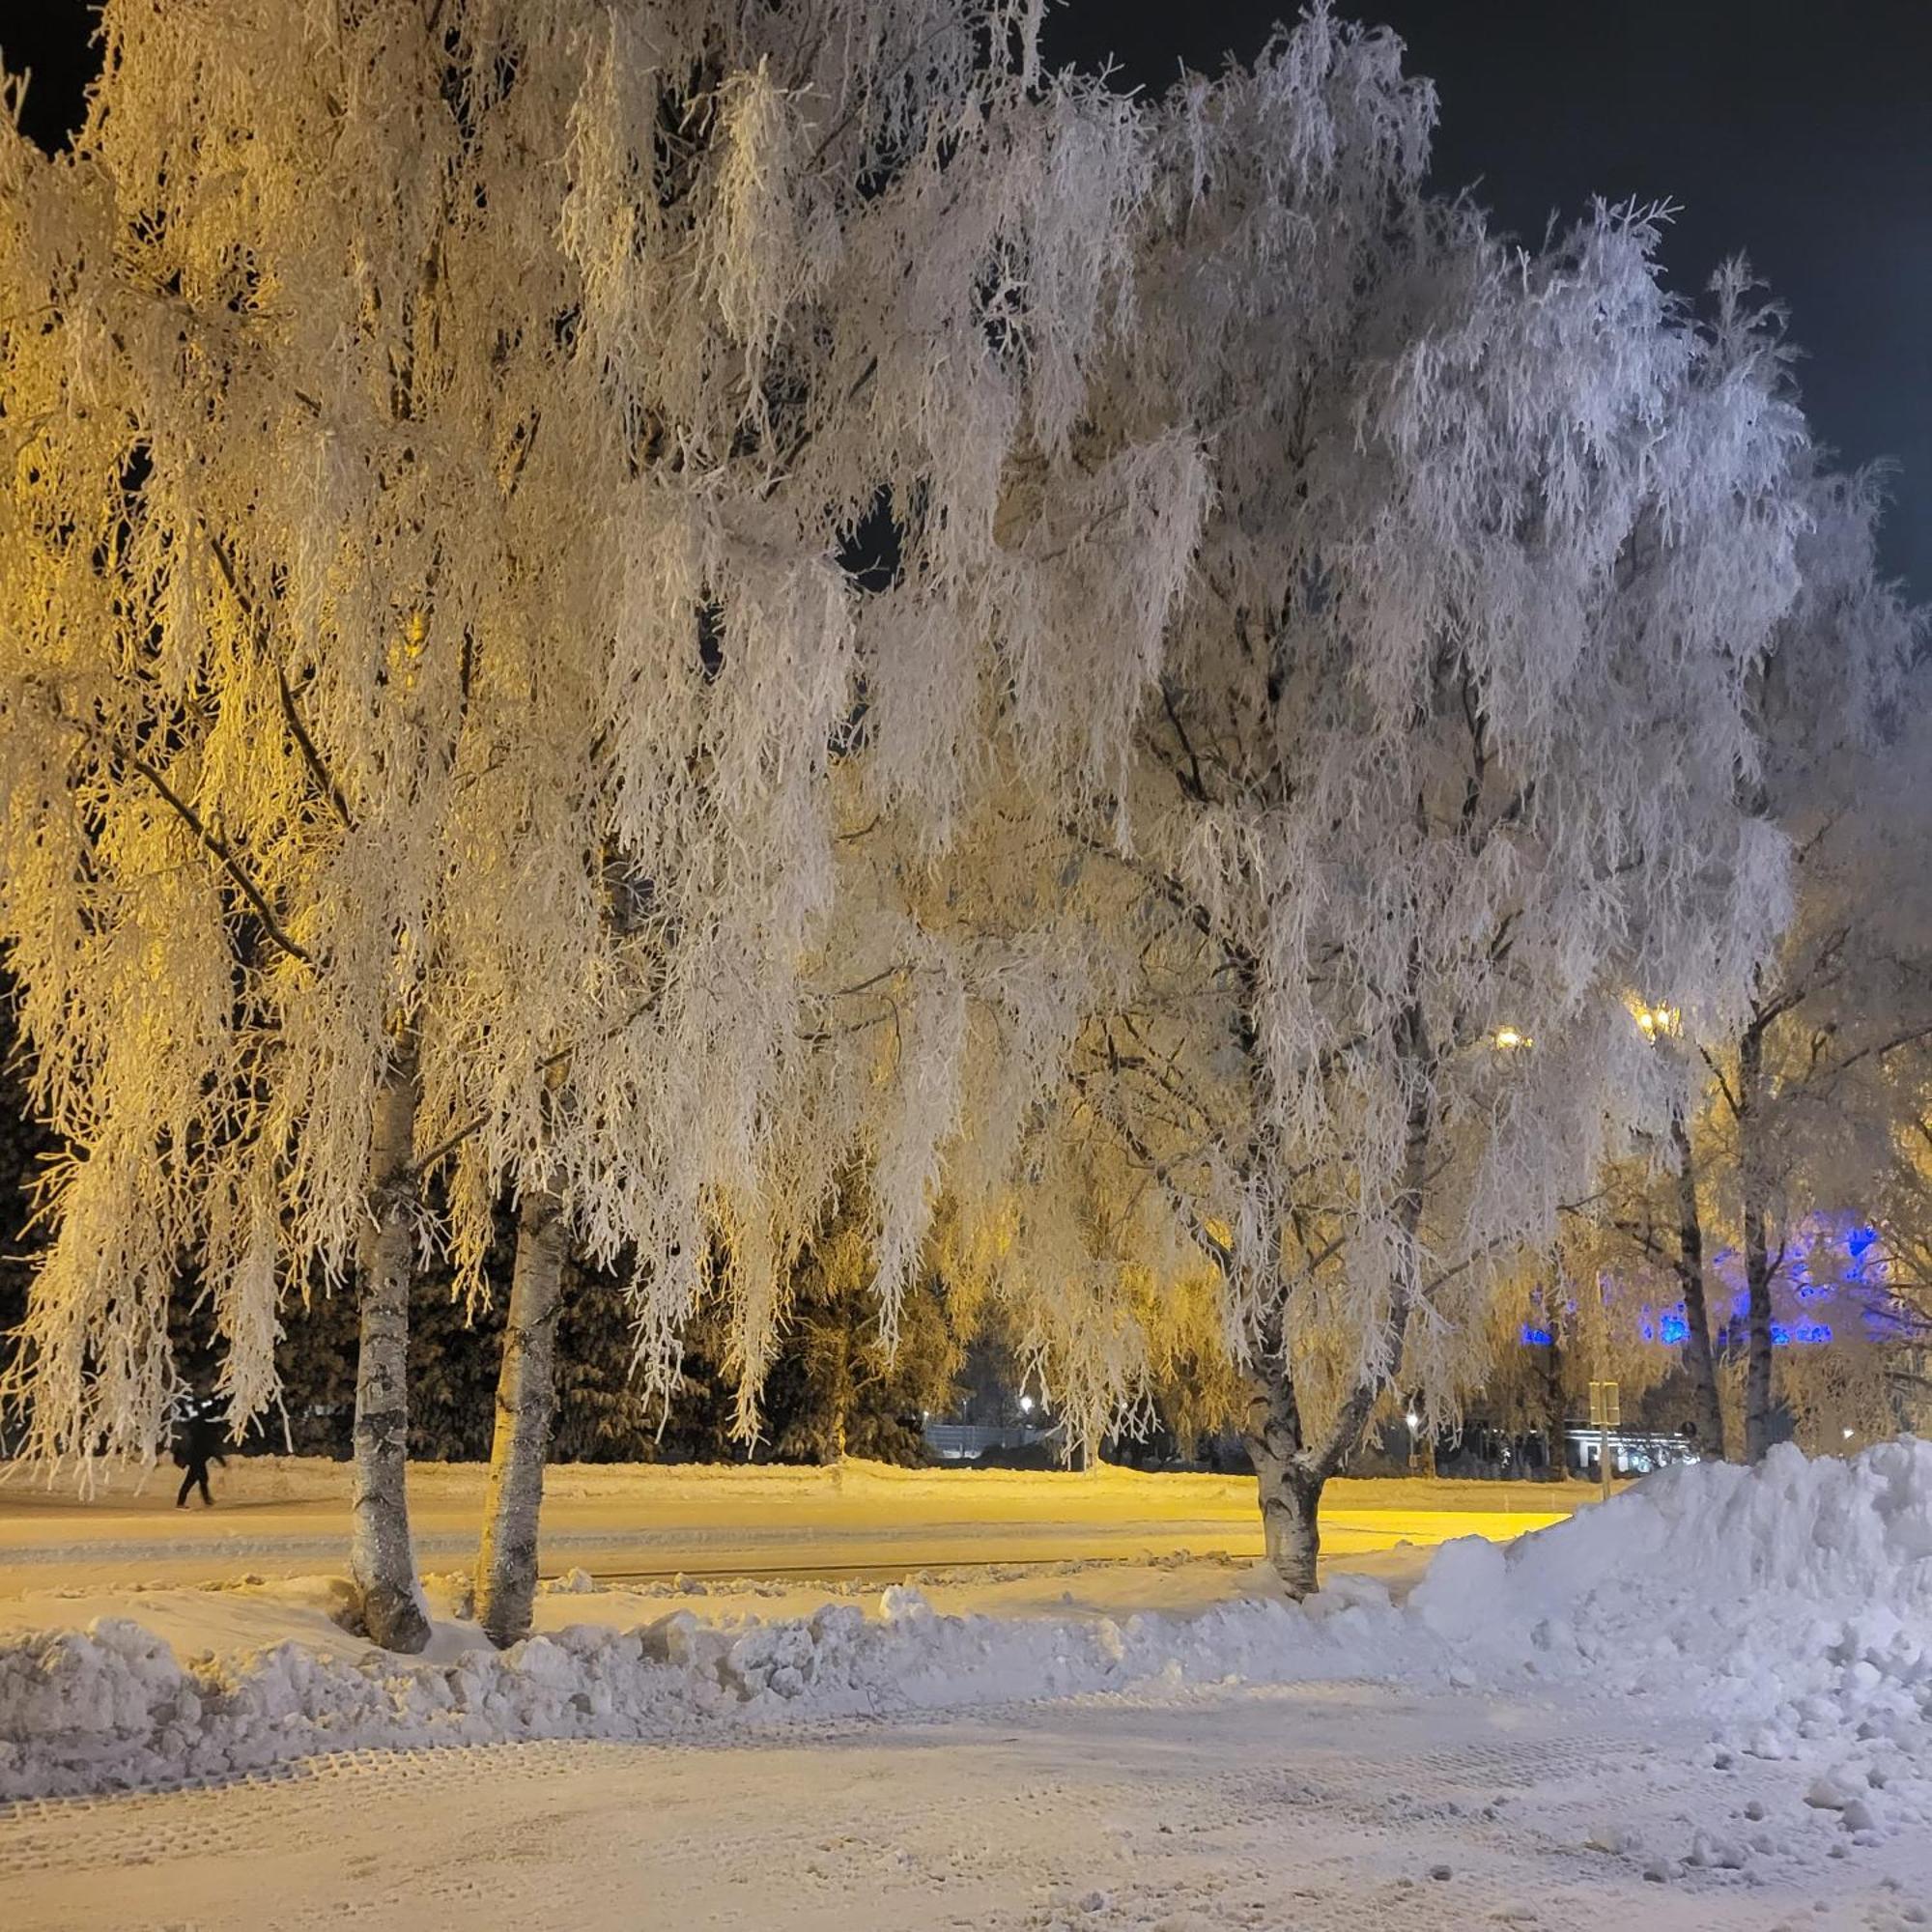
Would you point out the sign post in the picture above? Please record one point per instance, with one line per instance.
(1605, 1413)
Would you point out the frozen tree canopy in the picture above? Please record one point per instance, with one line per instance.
(1444, 762)
(1309, 696)
(433, 424)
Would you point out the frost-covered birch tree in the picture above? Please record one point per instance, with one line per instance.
(1443, 759)
(1904, 1226)
(1649, 1223)
(430, 426)
(1806, 1095)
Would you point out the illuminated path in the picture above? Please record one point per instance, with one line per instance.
(282, 1517)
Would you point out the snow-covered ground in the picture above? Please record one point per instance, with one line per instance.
(1307, 1808)
(1705, 1704)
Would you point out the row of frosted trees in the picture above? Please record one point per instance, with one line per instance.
(641, 606)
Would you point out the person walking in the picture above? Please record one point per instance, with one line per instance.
(198, 1444)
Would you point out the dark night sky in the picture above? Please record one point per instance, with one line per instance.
(1797, 134)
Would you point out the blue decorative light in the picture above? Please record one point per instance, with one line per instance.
(1858, 1243)
(1806, 1335)
(1831, 1261)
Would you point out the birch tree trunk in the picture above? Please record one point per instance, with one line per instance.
(383, 1560)
(1706, 1410)
(1752, 1181)
(1287, 1480)
(507, 1565)
(1290, 1472)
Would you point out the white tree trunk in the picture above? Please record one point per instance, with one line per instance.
(1287, 1479)
(382, 1555)
(507, 1565)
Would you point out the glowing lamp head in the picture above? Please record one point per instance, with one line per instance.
(1026, 1405)
(1414, 1420)
(1509, 1038)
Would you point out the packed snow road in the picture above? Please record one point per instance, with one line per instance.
(281, 1517)
(1352, 1807)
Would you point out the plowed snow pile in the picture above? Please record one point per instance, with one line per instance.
(1792, 1604)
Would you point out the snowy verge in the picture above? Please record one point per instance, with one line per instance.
(111, 1706)
(1792, 1605)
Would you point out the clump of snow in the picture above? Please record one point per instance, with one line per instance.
(1793, 1603)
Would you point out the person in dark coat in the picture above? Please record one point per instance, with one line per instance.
(198, 1444)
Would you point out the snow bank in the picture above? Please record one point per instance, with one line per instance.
(112, 1707)
(1826, 1532)
(1793, 1603)
(1797, 1596)
(1790, 1605)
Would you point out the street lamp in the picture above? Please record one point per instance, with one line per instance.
(1026, 1405)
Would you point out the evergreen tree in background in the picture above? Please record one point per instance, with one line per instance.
(833, 1387)
(23, 1142)
(836, 1388)
(604, 1413)
(316, 1360)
